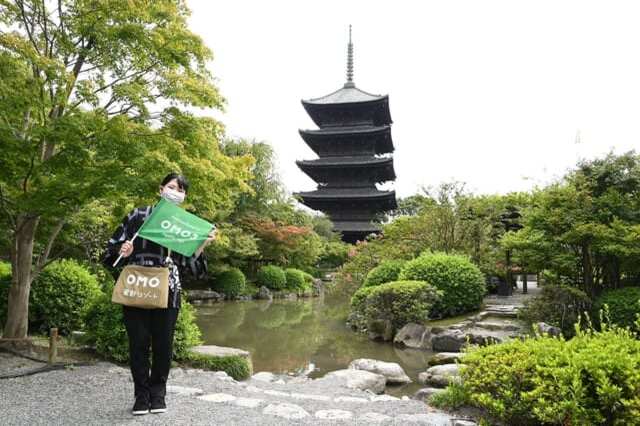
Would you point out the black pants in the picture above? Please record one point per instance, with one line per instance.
(150, 327)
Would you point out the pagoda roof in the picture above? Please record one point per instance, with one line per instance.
(366, 197)
(380, 136)
(340, 162)
(331, 169)
(355, 226)
(348, 94)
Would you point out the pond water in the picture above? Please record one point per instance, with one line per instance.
(292, 337)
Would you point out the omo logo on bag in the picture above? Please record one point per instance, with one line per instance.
(141, 280)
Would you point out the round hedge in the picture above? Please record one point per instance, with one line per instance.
(387, 271)
(295, 279)
(460, 280)
(105, 329)
(623, 306)
(272, 277)
(60, 296)
(400, 302)
(231, 282)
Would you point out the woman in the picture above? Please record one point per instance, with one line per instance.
(153, 327)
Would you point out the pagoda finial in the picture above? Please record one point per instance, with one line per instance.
(350, 82)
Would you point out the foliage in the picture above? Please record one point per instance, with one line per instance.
(400, 302)
(460, 281)
(334, 254)
(5, 282)
(60, 295)
(105, 329)
(590, 379)
(623, 306)
(295, 279)
(452, 398)
(230, 282)
(272, 277)
(385, 272)
(94, 105)
(235, 366)
(557, 305)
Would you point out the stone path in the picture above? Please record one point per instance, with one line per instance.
(102, 394)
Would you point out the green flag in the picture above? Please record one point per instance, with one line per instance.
(175, 228)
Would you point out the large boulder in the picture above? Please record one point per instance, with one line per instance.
(357, 379)
(445, 358)
(544, 328)
(390, 370)
(264, 293)
(413, 335)
(425, 393)
(220, 351)
(451, 340)
(440, 375)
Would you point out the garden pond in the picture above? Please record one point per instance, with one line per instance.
(302, 337)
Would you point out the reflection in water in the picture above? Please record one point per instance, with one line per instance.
(292, 337)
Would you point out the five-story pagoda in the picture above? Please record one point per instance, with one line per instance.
(354, 147)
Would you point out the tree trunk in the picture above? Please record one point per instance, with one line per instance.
(587, 271)
(17, 323)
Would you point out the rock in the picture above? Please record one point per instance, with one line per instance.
(440, 375)
(248, 402)
(204, 295)
(310, 396)
(334, 414)
(426, 393)
(217, 397)
(273, 392)
(460, 422)
(264, 293)
(358, 379)
(317, 287)
(448, 341)
(353, 399)
(392, 371)
(414, 335)
(383, 398)
(380, 330)
(287, 411)
(184, 390)
(373, 417)
(264, 376)
(498, 325)
(544, 328)
(220, 351)
(431, 419)
(445, 358)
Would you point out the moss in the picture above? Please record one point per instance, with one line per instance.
(238, 367)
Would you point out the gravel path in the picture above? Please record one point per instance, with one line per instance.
(102, 394)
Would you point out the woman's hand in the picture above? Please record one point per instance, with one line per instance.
(210, 238)
(126, 249)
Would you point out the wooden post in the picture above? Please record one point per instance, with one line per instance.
(53, 345)
(524, 282)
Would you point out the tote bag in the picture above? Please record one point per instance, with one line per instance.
(142, 287)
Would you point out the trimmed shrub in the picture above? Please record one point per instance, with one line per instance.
(400, 302)
(236, 366)
(105, 329)
(588, 380)
(60, 296)
(308, 278)
(272, 277)
(387, 271)
(623, 306)
(557, 305)
(295, 279)
(5, 283)
(230, 282)
(460, 280)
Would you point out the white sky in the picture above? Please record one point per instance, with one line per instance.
(491, 93)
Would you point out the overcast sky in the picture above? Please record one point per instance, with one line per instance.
(491, 93)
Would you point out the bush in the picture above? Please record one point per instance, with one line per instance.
(308, 278)
(105, 329)
(387, 271)
(400, 302)
(5, 283)
(557, 305)
(231, 282)
(60, 296)
(588, 380)
(295, 280)
(460, 280)
(236, 366)
(272, 277)
(623, 306)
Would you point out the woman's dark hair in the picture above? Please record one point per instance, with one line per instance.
(183, 183)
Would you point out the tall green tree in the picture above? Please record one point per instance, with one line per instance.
(92, 106)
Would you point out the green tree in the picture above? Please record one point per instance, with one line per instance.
(90, 108)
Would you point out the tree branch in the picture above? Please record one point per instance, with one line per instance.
(42, 259)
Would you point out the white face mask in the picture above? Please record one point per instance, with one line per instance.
(175, 197)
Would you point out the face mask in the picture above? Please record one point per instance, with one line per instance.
(173, 196)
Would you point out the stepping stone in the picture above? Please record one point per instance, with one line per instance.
(334, 414)
(287, 411)
(432, 419)
(445, 358)
(264, 376)
(373, 417)
(390, 370)
(277, 393)
(351, 399)
(309, 396)
(184, 390)
(217, 397)
(248, 402)
(382, 398)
